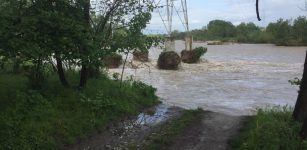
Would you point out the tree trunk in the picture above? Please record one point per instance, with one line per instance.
(83, 76)
(300, 110)
(60, 71)
(303, 132)
(84, 69)
(123, 69)
(257, 10)
(93, 71)
(16, 65)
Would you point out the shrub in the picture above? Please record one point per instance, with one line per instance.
(271, 129)
(194, 55)
(169, 60)
(200, 51)
(55, 116)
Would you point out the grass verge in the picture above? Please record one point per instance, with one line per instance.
(169, 131)
(55, 116)
(270, 129)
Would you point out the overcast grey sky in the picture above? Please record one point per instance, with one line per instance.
(236, 11)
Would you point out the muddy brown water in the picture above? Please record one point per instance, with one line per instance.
(233, 79)
(230, 82)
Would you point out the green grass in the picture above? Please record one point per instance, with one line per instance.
(55, 116)
(270, 129)
(167, 133)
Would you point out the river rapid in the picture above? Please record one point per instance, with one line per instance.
(234, 79)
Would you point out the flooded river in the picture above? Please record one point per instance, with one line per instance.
(235, 79)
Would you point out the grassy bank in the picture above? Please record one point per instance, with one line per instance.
(270, 129)
(55, 116)
(168, 132)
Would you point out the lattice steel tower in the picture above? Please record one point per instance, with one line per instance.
(169, 8)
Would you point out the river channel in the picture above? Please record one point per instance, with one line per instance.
(234, 79)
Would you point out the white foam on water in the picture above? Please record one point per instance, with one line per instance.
(234, 79)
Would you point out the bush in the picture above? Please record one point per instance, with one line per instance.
(194, 55)
(169, 60)
(271, 129)
(141, 56)
(199, 51)
(113, 61)
(295, 81)
(55, 116)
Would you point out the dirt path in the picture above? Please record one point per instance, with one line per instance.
(211, 133)
(129, 131)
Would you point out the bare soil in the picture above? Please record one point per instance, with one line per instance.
(212, 132)
(119, 135)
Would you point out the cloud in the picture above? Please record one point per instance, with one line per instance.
(235, 11)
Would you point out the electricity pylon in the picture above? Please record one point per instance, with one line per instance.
(169, 8)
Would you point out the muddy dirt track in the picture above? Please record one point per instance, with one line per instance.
(212, 132)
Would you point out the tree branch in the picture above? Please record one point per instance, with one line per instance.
(257, 10)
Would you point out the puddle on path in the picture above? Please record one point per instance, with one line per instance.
(133, 130)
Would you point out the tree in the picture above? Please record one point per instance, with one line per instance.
(38, 31)
(257, 10)
(304, 8)
(246, 28)
(127, 40)
(199, 34)
(70, 32)
(247, 32)
(281, 31)
(178, 35)
(221, 29)
(111, 16)
(300, 29)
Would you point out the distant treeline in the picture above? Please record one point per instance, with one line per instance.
(281, 32)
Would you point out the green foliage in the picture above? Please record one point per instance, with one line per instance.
(282, 32)
(250, 33)
(300, 29)
(169, 60)
(33, 35)
(220, 29)
(271, 129)
(295, 81)
(39, 31)
(179, 35)
(55, 116)
(200, 51)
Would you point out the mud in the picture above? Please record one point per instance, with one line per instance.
(135, 130)
(212, 132)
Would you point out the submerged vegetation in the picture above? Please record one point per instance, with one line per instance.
(193, 56)
(169, 60)
(271, 129)
(281, 32)
(200, 51)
